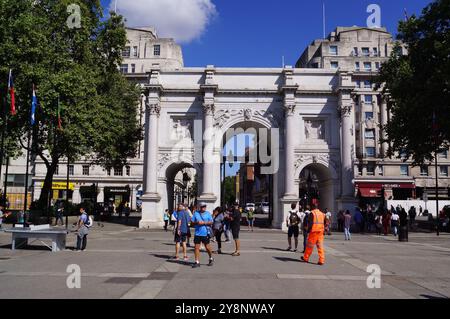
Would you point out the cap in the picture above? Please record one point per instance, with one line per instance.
(203, 205)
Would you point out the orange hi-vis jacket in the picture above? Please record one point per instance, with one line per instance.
(318, 221)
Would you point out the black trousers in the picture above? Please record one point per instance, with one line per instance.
(81, 242)
(218, 235)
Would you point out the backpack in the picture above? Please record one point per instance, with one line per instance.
(294, 219)
(89, 221)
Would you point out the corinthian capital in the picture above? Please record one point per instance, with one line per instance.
(208, 108)
(154, 109)
(289, 109)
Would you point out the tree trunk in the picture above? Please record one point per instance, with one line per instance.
(48, 183)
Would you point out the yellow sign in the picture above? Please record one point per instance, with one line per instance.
(61, 186)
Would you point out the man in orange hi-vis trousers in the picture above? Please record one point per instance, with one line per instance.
(316, 224)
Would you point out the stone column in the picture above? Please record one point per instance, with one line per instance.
(151, 147)
(384, 121)
(208, 195)
(347, 148)
(289, 154)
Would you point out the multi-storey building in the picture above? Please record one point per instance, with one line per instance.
(361, 51)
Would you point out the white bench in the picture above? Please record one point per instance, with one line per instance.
(20, 236)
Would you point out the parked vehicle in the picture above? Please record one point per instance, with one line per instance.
(250, 206)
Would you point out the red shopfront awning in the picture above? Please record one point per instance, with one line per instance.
(372, 190)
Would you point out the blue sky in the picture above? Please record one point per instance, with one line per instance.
(256, 33)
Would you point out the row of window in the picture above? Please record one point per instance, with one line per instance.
(118, 171)
(333, 50)
(367, 66)
(404, 170)
(133, 51)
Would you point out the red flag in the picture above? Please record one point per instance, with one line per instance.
(11, 94)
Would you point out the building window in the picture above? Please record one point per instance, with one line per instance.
(133, 68)
(424, 171)
(368, 99)
(85, 170)
(334, 64)
(443, 154)
(333, 50)
(157, 50)
(126, 52)
(118, 171)
(370, 134)
(124, 68)
(71, 170)
(355, 51)
(377, 66)
(357, 66)
(128, 171)
(381, 170)
(371, 169)
(108, 171)
(369, 115)
(17, 180)
(375, 51)
(358, 84)
(365, 51)
(315, 65)
(367, 66)
(57, 170)
(135, 52)
(404, 170)
(367, 84)
(443, 171)
(370, 151)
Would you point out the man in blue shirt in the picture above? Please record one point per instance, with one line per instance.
(203, 221)
(181, 231)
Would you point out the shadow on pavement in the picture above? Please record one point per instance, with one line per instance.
(274, 248)
(433, 297)
(286, 259)
(28, 247)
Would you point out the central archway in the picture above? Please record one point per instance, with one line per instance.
(248, 154)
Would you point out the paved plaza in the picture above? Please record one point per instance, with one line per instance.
(124, 262)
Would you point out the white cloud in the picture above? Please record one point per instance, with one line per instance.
(184, 20)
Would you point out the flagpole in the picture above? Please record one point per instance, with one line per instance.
(5, 119)
(25, 204)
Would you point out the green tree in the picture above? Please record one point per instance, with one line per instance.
(417, 84)
(230, 189)
(75, 68)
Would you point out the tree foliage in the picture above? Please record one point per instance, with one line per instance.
(417, 85)
(75, 68)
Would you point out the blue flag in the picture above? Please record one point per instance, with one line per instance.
(33, 108)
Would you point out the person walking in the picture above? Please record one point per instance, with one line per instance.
(2, 214)
(60, 215)
(235, 225)
(386, 221)
(347, 225)
(82, 230)
(181, 232)
(358, 219)
(218, 228)
(120, 210)
(191, 214)
(316, 235)
(340, 219)
(227, 224)
(328, 221)
(293, 221)
(127, 212)
(412, 217)
(251, 219)
(395, 223)
(166, 218)
(305, 227)
(379, 223)
(202, 220)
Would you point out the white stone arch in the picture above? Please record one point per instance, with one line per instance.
(308, 160)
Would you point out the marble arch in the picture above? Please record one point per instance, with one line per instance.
(202, 99)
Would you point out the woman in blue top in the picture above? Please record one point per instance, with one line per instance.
(202, 220)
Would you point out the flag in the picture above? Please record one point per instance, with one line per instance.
(59, 116)
(33, 108)
(11, 94)
(406, 15)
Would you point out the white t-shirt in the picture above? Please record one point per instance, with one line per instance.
(395, 217)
